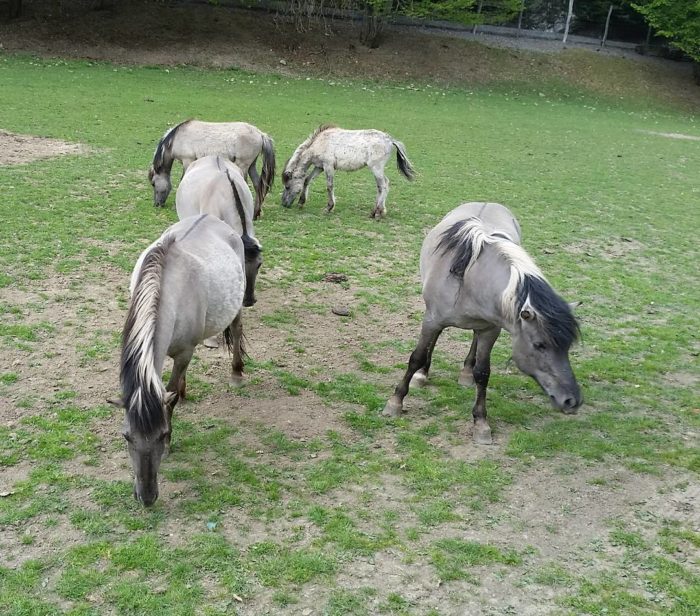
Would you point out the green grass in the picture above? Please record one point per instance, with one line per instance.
(262, 510)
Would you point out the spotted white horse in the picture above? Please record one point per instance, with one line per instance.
(330, 148)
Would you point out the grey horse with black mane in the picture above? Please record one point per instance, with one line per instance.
(329, 148)
(185, 287)
(476, 276)
(240, 142)
(213, 185)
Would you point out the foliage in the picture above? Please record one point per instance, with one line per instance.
(463, 11)
(678, 20)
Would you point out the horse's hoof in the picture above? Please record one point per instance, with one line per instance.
(420, 379)
(211, 343)
(392, 408)
(466, 378)
(481, 434)
(236, 381)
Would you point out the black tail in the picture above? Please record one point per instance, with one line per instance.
(230, 342)
(251, 247)
(402, 162)
(267, 178)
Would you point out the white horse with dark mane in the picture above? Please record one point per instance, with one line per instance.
(240, 142)
(329, 148)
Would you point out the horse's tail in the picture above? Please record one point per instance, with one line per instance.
(250, 245)
(230, 342)
(142, 388)
(267, 177)
(402, 162)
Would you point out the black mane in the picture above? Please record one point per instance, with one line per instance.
(453, 240)
(558, 321)
(164, 148)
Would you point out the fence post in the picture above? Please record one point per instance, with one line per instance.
(520, 17)
(568, 20)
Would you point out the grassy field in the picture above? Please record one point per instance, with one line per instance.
(292, 495)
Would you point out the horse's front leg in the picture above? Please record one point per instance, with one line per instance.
(186, 162)
(178, 385)
(420, 356)
(484, 341)
(307, 181)
(329, 171)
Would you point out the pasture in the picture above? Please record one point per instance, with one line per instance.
(292, 494)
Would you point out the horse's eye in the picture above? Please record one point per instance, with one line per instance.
(164, 435)
(540, 346)
(126, 436)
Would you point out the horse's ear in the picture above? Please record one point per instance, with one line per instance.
(151, 173)
(574, 305)
(118, 402)
(170, 398)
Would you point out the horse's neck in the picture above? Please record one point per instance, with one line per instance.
(165, 327)
(492, 276)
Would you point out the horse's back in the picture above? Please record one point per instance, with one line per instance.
(204, 276)
(495, 218)
(354, 149)
(441, 288)
(235, 140)
(206, 189)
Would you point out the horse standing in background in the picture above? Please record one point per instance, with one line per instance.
(329, 148)
(240, 142)
(476, 276)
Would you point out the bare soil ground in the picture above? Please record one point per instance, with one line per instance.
(18, 149)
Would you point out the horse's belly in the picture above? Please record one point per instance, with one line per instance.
(222, 309)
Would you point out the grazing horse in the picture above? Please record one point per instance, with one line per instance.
(240, 142)
(186, 286)
(213, 185)
(329, 148)
(476, 276)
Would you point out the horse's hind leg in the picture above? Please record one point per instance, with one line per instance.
(466, 374)
(329, 171)
(485, 340)
(420, 378)
(379, 210)
(420, 356)
(233, 335)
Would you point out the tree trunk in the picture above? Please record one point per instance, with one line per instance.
(520, 16)
(478, 12)
(607, 27)
(569, 13)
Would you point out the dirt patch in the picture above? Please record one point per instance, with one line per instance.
(18, 149)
